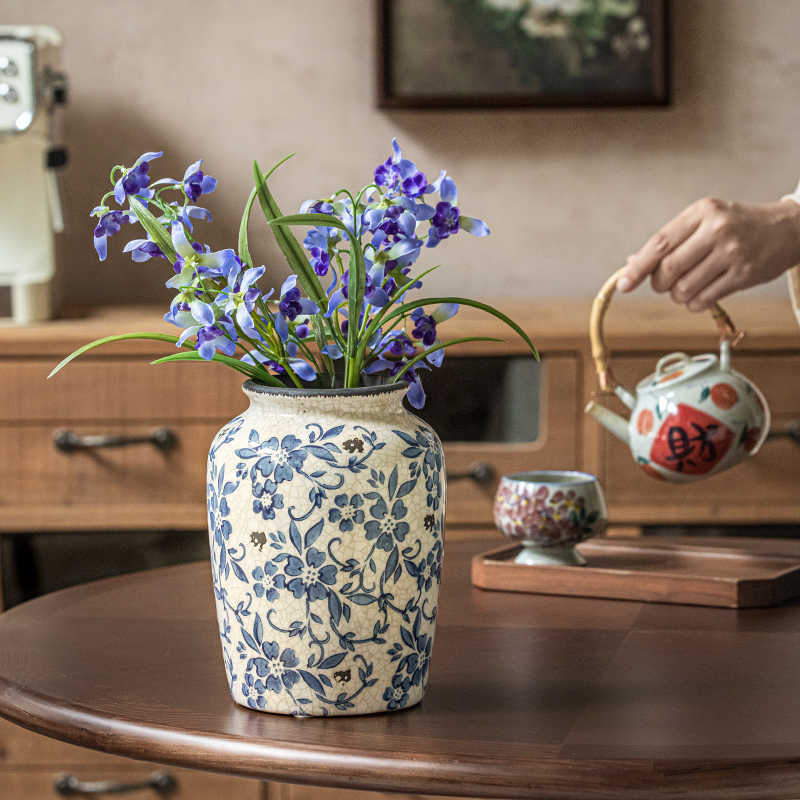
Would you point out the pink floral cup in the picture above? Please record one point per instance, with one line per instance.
(549, 512)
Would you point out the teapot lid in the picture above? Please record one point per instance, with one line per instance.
(676, 368)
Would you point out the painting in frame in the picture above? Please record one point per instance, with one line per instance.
(522, 53)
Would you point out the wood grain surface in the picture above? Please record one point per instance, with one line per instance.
(530, 695)
(557, 324)
(652, 569)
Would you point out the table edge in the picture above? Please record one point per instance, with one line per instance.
(551, 778)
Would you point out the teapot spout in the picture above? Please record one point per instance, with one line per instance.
(614, 423)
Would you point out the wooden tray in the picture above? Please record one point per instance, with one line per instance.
(653, 571)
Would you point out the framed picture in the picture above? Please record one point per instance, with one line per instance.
(518, 53)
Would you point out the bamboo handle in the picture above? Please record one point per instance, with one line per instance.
(793, 276)
(600, 352)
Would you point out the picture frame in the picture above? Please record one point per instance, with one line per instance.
(480, 54)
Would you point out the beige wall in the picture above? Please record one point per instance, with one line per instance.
(568, 193)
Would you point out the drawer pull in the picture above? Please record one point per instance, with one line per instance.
(482, 473)
(68, 785)
(791, 431)
(68, 441)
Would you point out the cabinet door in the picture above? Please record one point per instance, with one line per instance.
(762, 489)
(505, 414)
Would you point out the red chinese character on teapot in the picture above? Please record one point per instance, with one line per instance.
(693, 417)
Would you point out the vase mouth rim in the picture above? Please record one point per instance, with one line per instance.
(251, 386)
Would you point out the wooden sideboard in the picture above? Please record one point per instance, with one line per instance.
(115, 391)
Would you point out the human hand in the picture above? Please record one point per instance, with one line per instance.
(714, 248)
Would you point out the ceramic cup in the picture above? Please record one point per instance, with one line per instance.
(549, 512)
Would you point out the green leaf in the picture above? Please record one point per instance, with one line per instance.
(153, 228)
(420, 356)
(463, 301)
(244, 248)
(356, 284)
(289, 246)
(256, 374)
(157, 337)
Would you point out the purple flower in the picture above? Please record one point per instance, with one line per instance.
(109, 224)
(196, 183)
(291, 305)
(320, 260)
(135, 180)
(399, 175)
(445, 221)
(415, 184)
(424, 327)
(143, 250)
(301, 331)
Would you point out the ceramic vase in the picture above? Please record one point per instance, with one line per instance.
(326, 525)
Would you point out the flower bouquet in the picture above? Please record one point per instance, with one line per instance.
(325, 497)
(342, 318)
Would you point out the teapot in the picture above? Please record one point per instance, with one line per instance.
(693, 417)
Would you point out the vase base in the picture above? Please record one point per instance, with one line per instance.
(557, 556)
(314, 710)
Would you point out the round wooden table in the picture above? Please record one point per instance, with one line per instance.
(530, 696)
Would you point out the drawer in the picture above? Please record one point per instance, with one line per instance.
(556, 446)
(113, 389)
(30, 764)
(137, 486)
(189, 785)
(764, 488)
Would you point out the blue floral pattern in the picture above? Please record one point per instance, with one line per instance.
(340, 615)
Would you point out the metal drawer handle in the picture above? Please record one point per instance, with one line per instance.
(481, 473)
(67, 441)
(68, 785)
(791, 431)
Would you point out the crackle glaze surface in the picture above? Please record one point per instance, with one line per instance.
(326, 526)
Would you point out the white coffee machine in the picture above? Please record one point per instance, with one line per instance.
(31, 88)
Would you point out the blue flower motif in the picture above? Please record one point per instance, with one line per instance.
(266, 499)
(416, 663)
(397, 693)
(387, 526)
(347, 512)
(268, 582)
(310, 576)
(429, 569)
(273, 672)
(280, 460)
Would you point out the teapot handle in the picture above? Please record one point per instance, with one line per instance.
(600, 352)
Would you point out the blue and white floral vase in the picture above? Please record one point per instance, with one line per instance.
(326, 524)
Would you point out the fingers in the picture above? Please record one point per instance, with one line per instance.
(691, 283)
(673, 234)
(684, 259)
(722, 286)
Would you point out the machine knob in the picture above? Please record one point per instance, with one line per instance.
(8, 93)
(8, 67)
